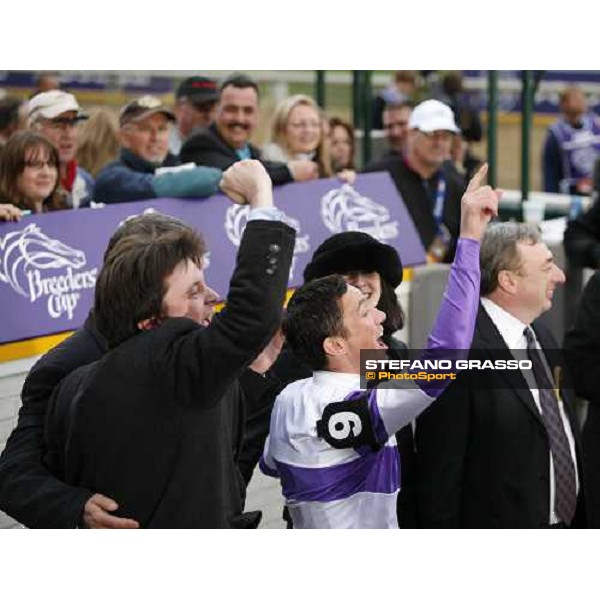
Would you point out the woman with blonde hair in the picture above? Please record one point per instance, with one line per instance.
(299, 132)
(98, 141)
(29, 174)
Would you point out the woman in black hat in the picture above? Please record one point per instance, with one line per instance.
(376, 269)
(373, 267)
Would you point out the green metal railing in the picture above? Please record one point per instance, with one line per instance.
(320, 89)
(362, 102)
(527, 94)
(492, 129)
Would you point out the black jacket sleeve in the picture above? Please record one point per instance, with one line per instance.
(582, 239)
(582, 343)
(259, 393)
(29, 492)
(442, 433)
(207, 148)
(278, 172)
(218, 354)
(196, 150)
(288, 367)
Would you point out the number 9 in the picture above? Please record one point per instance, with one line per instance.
(344, 425)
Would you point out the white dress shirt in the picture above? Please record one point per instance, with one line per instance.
(512, 331)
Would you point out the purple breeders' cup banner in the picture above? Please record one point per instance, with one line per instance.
(49, 263)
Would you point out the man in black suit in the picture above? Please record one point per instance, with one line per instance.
(227, 140)
(29, 492)
(150, 423)
(35, 497)
(582, 353)
(501, 450)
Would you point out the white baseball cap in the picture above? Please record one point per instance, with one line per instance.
(49, 105)
(432, 115)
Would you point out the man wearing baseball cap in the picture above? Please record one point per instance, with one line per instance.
(195, 102)
(227, 140)
(142, 170)
(431, 189)
(56, 114)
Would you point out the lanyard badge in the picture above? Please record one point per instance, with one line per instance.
(438, 250)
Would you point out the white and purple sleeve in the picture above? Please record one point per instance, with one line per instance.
(455, 323)
(453, 330)
(266, 463)
(456, 317)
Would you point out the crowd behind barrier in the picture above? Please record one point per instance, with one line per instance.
(49, 262)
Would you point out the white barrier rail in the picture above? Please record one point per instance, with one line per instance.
(560, 203)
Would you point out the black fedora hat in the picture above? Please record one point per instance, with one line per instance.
(355, 251)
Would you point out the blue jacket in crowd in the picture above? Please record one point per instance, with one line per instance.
(132, 178)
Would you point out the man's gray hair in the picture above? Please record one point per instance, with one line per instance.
(499, 250)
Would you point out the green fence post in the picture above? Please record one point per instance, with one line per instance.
(526, 120)
(320, 91)
(367, 116)
(492, 128)
(357, 113)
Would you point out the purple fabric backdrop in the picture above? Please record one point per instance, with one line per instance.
(49, 263)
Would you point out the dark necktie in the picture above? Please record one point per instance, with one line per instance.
(564, 470)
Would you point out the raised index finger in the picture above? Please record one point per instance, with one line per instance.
(478, 178)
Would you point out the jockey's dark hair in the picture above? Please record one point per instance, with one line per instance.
(314, 314)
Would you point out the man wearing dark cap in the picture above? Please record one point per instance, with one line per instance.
(57, 115)
(142, 170)
(227, 140)
(195, 102)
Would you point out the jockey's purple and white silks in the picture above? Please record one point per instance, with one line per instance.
(356, 486)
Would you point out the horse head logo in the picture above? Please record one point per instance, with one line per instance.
(235, 222)
(345, 209)
(236, 219)
(21, 251)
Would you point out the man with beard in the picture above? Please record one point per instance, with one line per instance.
(227, 140)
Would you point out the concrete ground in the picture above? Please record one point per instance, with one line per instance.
(264, 493)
